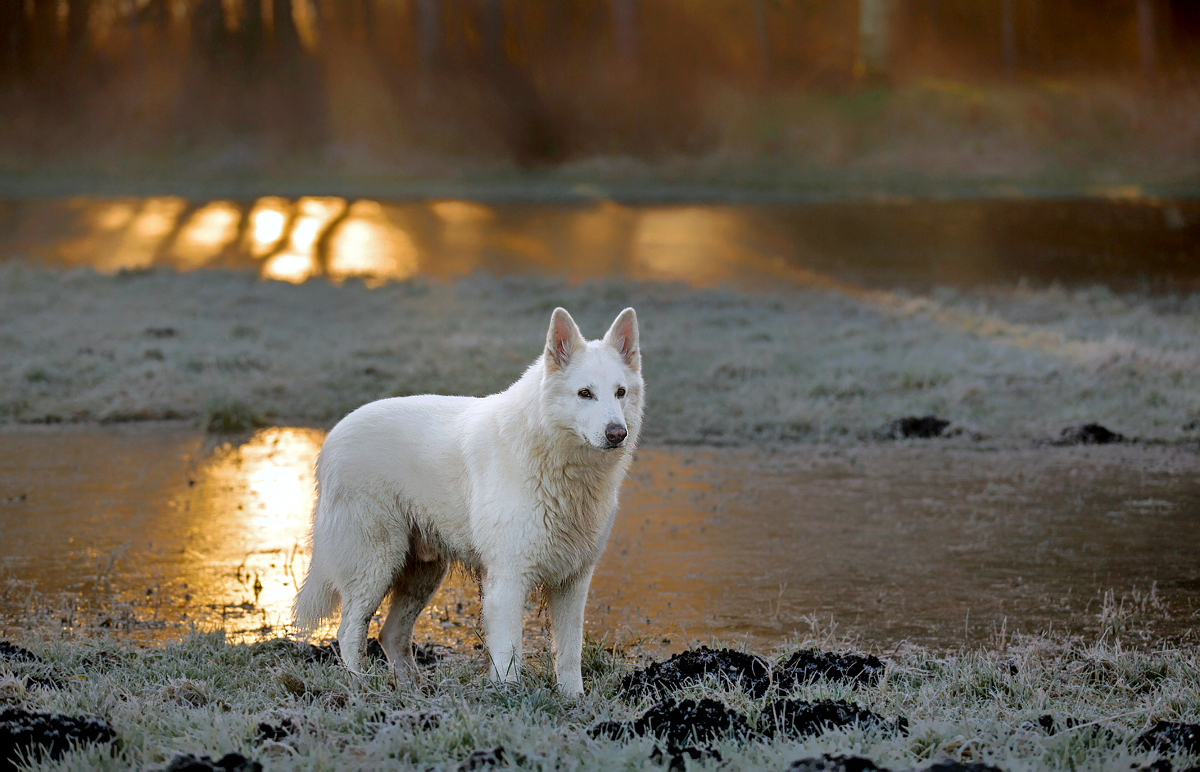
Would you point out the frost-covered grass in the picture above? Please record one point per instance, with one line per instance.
(723, 366)
(204, 696)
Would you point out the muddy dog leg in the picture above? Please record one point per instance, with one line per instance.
(360, 600)
(411, 592)
(567, 602)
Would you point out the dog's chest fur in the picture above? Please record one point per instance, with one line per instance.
(574, 506)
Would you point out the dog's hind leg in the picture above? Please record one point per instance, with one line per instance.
(360, 601)
(411, 592)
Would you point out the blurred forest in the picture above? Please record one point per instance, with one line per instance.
(696, 89)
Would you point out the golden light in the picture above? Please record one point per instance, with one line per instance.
(304, 16)
(112, 216)
(256, 501)
(290, 267)
(686, 244)
(144, 234)
(297, 262)
(268, 219)
(461, 212)
(206, 233)
(314, 215)
(370, 246)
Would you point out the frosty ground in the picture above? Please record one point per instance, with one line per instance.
(1039, 704)
(806, 359)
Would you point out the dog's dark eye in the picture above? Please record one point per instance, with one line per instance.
(585, 393)
(620, 393)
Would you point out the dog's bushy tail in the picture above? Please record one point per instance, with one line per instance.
(316, 602)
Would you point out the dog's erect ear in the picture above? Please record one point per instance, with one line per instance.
(562, 340)
(623, 336)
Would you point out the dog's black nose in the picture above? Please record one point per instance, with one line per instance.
(615, 434)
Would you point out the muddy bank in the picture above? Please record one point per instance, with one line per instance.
(812, 360)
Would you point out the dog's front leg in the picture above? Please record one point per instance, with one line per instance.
(503, 607)
(567, 602)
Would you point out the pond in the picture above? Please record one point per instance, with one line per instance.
(1140, 243)
(147, 530)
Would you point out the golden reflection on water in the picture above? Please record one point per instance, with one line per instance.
(368, 245)
(298, 260)
(686, 244)
(208, 231)
(268, 221)
(295, 240)
(248, 516)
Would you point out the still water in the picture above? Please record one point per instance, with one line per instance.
(146, 530)
(1144, 244)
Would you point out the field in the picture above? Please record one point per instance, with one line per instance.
(809, 359)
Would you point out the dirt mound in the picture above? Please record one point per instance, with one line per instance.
(811, 664)
(486, 758)
(49, 734)
(832, 763)
(800, 718)
(230, 762)
(679, 723)
(1168, 736)
(1088, 434)
(916, 427)
(675, 759)
(14, 653)
(729, 668)
(275, 732)
(835, 763)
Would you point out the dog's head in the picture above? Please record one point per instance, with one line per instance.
(594, 388)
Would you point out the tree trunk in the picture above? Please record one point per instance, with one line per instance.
(430, 35)
(764, 41)
(286, 38)
(874, 38)
(1147, 51)
(79, 13)
(1008, 33)
(45, 30)
(624, 18)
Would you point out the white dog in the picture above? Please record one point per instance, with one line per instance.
(519, 487)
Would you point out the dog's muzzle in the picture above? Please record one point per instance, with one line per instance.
(614, 435)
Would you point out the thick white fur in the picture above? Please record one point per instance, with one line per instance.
(520, 487)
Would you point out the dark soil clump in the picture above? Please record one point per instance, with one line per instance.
(50, 734)
(1089, 434)
(679, 723)
(1168, 736)
(810, 664)
(832, 763)
(275, 733)
(799, 718)
(487, 758)
(230, 762)
(675, 759)
(924, 427)
(14, 653)
(731, 668)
